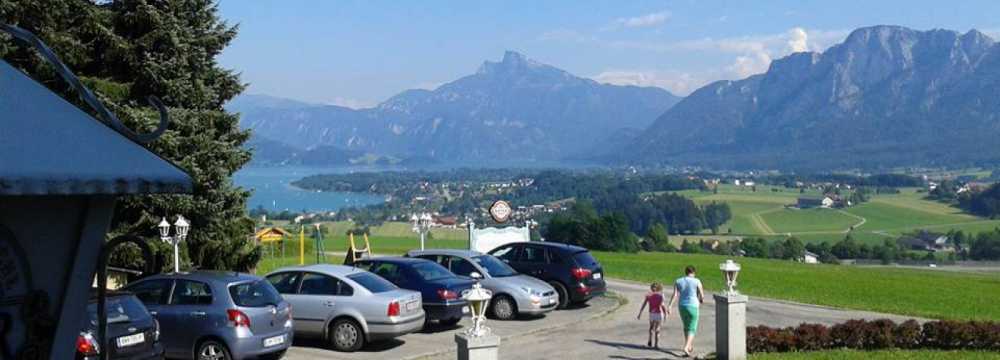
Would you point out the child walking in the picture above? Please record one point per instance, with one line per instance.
(656, 310)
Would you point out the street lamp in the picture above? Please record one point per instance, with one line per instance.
(181, 232)
(479, 299)
(730, 269)
(421, 224)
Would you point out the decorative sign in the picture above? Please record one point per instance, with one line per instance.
(500, 211)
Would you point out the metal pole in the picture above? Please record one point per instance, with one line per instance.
(423, 235)
(177, 257)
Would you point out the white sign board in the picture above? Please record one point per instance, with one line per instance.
(486, 239)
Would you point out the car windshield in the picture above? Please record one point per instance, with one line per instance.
(494, 266)
(372, 282)
(121, 309)
(258, 293)
(430, 271)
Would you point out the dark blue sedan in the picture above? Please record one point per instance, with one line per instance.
(441, 290)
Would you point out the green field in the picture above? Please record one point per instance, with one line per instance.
(880, 355)
(335, 246)
(923, 293)
(808, 220)
(764, 213)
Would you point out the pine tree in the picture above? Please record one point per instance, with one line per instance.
(128, 50)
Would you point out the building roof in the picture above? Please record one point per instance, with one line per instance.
(50, 147)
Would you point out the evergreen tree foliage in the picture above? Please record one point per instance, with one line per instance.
(128, 50)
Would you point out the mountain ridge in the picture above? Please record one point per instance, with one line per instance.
(886, 96)
(512, 109)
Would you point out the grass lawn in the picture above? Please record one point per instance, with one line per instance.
(879, 355)
(808, 220)
(762, 213)
(931, 294)
(381, 245)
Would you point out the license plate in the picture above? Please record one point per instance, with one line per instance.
(410, 306)
(130, 340)
(597, 276)
(274, 341)
(465, 309)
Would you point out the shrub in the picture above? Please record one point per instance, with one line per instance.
(811, 337)
(850, 334)
(877, 334)
(908, 335)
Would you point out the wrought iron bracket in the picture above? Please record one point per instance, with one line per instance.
(106, 115)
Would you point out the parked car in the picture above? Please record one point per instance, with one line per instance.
(513, 293)
(571, 270)
(133, 334)
(441, 290)
(215, 315)
(347, 306)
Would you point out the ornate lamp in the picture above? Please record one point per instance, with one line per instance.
(421, 225)
(479, 299)
(730, 269)
(182, 227)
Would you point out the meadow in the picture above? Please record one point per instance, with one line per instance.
(921, 293)
(766, 213)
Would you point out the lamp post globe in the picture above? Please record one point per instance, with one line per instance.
(730, 270)
(164, 229)
(479, 299)
(182, 227)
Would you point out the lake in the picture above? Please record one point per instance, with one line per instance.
(271, 188)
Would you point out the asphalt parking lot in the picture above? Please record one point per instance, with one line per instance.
(438, 340)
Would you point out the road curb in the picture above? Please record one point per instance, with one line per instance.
(621, 301)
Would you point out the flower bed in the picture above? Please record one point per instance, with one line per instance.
(876, 335)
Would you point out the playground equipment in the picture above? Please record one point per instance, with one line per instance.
(355, 254)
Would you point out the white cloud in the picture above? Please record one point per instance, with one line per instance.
(798, 40)
(678, 83)
(647, 20)
(352, 103)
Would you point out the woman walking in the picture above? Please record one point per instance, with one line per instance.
(688, 289)
(656, 309)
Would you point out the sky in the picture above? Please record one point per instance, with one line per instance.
(360, 53)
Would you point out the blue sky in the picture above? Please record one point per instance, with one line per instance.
(359, 53)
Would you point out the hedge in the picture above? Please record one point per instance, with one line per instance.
(876, 335)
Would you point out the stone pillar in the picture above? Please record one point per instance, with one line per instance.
(731, 327)
(478, 348)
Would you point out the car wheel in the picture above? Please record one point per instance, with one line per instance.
(213, 350)
(563, 294)
(450, 322)
(346, 335)
(503, 308)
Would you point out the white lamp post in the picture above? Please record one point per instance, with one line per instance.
(421, 224)
(181, 232)
(479, 299)
(730, 269)
(730, 317)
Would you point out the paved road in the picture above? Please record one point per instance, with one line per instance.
(620, 336)
(441, 340)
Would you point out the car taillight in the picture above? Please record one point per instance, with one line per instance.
(580, 273)
(238, 318)
(86, 345)
(393, 309)
(446, 294)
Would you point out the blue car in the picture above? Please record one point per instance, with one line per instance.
(441, 289)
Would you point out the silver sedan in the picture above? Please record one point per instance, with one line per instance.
(513, 293)
(346, 306)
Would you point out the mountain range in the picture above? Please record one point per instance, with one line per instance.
(516, 109)
(886, 96)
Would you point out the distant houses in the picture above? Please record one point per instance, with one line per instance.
(810, 202)
(810, 258)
